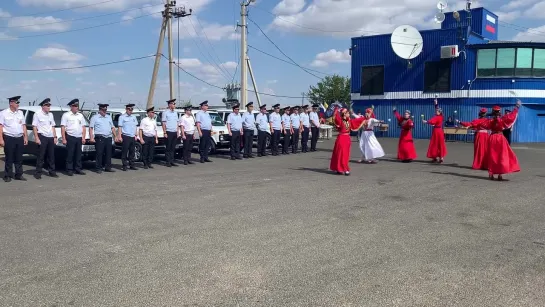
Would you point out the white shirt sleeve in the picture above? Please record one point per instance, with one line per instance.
(35, 120)
(63, 120)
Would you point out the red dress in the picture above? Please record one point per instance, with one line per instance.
(501, 158)
(480, 146)
(405, 148)
(341, 151)
(437, 147)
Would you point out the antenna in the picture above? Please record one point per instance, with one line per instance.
(441, 5)
(407, 43)
(439, 17)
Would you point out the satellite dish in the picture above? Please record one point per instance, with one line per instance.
(439, 17)
(441, 5)
(406, 42)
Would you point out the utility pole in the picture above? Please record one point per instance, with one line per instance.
(244, 52)
(254, 83)
(166, 25)
(302, 99)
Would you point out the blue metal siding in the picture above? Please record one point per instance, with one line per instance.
(484, 32)
(376, 50)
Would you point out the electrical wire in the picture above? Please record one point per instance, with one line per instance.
(278, 48)
(201, 52)
(79, 29)
(212, 47)
(75, 19)
(288, 62)
(61, 10)
(219, 87)
(178, 59)
(78, 67)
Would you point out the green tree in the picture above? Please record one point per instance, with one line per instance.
(331, 88)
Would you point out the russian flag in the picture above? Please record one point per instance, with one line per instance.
(323, 108)
(490, 24)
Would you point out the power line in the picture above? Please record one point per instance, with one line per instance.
(79, 29)
(216, 67)
(75, 19)
(221, 88)
(212, 47)
(78, 67)
(275, 57)
(62, 10)
(278, 48)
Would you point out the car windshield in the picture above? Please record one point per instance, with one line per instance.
(57, 115)
(216, 119)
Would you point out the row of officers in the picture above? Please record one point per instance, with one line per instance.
(102, 133)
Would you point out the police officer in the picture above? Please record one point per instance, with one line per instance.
(127, 129)
(248, 125)
(296, 128)
(148, 137)
(305, 123)
(73, 136)
(169, 118)
(276, 125)
(204, 126)
(101, 131)
(187, 127)
(234, 126)
(43, 126)
(314, 127)
(287, 129)
(13, 136)
(262, 123)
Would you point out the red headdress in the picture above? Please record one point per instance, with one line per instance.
(483, 110)
(496, 108)
(371, 111)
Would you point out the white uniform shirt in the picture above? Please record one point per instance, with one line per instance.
(188, 122)
(44, 123)
(12, 122)
(148, 126)
(73, 123)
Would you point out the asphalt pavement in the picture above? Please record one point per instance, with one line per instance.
(279, 231)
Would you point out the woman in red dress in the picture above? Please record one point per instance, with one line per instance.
(480, 147)
(437, 149)
(405, 149)
(501, 158)
(341, 151)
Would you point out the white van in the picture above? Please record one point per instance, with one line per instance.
(88, 149)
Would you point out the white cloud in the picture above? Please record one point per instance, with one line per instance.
(212, 31)
(144, 10)
(126, 57)
(349, 18)
(38, 24)
(289, 7)
(536, 11)
(509, 16)
(208, 72)
(117, 72)
(323, 59)
(111, 84)
(531, 35)
(57, 54)
(186, 50)
(4, 14)
(4, 36)
(272, 81)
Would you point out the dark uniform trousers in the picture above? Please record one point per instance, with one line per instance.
(103, 147)
(314, 138)
(127, 150)
(262, 143)
(13, 149)
(172, 139)
(204, 143)
(188, 145)
(274, 141)
(507, 135)
(73, 153)
(235, 144)
(148, 150)
(295, 141)
(304, 139)
(47, 147)
(248, 142)
(286, 145)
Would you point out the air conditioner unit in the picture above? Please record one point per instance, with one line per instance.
(449, 52)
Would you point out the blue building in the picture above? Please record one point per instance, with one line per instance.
(483, 72)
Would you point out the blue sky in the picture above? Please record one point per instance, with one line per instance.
(314, 33)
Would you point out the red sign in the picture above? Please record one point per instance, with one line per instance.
(490, 29)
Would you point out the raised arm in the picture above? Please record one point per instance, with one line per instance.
(337, 116)
(398, 116)
(509, 119)
(356, 123)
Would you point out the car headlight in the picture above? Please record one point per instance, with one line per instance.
(221, 137)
